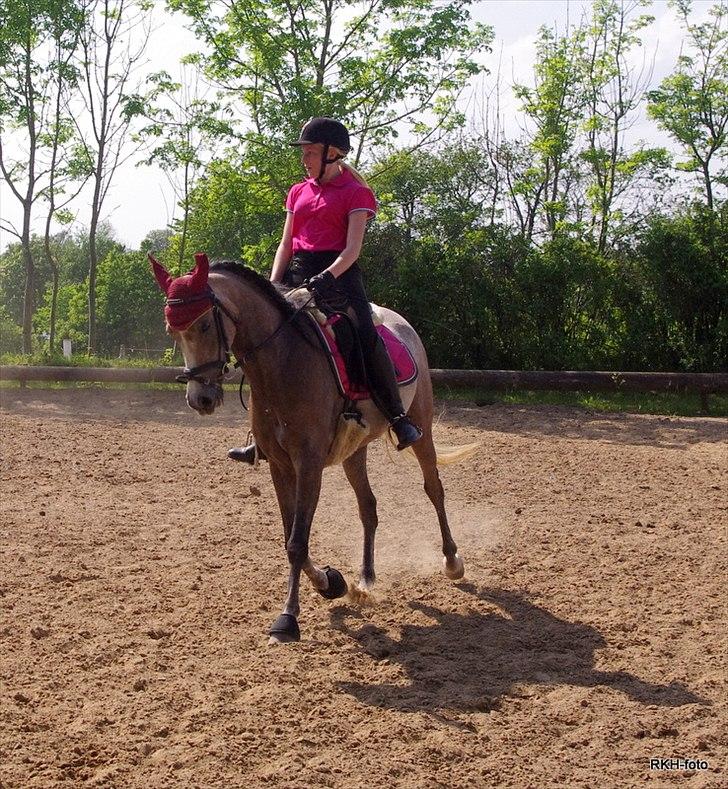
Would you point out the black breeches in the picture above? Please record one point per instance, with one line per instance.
(347, 295)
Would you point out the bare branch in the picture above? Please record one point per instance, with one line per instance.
(8, 228)
(7, 176)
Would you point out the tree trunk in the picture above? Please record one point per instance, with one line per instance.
(54, 310)
(185, 219)
(93, 257)
(28, 296)
(54, 294)
(93, 265)
(708, 185)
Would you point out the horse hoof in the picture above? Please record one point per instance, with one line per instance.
(360, 596)
(454, 568)
(337, 584)
(284, 630)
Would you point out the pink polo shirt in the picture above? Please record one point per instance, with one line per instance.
(321, 211)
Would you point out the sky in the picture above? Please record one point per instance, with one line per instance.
(141, 198)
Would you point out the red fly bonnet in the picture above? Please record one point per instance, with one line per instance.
(188, 296)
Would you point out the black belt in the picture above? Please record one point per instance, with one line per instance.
(316, 261)
(305, 265)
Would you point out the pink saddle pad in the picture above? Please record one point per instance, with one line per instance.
(405, 367)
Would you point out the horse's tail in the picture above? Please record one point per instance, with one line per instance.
(446, 455)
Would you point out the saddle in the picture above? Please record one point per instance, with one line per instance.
(339, 338)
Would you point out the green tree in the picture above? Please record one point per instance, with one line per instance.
(13, 278)
(378, 64)
(234, 213)
(555, 106)
(70, 256)
(113, 39)
(614, 90)
(71, 316)
(441, 194)
(692, 103)
(434, 236)
(37, 40)
(11, 335)
(684, 264)
(382, 65)
(156, 241)
(130, 304)
(570, 316)
(181, 130)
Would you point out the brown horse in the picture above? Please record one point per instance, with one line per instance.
(296, 410)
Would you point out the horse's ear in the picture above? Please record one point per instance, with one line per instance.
(200, 271)
(160, 272)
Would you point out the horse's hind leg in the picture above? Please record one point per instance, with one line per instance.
(355, 468)
(426, 455)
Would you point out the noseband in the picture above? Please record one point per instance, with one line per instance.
(222, 365)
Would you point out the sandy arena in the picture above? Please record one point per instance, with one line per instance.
(140, 570)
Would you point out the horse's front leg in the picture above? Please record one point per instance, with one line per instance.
(297, 501)
(327, 581)
(307, 486)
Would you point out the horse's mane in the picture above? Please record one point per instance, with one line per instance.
(257, 281)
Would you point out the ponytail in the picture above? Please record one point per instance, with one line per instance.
(345, 165)
(359, 177)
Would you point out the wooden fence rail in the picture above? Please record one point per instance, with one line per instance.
(119, 375)
(701, 383)
(565, 380)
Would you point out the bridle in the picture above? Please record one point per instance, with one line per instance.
(222, 363)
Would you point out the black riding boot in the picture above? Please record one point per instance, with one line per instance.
(385, 393)
(246, 454)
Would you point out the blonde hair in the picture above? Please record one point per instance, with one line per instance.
(359, 177)
(350, 167)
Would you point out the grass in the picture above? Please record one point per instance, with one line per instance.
(40, 385)
(665, 404)
(45, 359)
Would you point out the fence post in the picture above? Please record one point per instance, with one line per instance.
(704, 402)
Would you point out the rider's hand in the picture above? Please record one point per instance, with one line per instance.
(320, 282)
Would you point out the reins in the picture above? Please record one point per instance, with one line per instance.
(270, 337)
(223, 364)
(288, 320)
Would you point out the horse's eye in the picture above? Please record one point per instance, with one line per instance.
(204, 326)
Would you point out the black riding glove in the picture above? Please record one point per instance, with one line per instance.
(320, 282)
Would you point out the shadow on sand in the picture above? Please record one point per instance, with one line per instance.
(537, 421)
(138, 404)
(91, 403)
(468, 662)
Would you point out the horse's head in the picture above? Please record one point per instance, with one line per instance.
(195, 319)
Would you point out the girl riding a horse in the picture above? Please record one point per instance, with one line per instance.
(326, 218)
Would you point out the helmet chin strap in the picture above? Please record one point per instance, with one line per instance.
(326, 161)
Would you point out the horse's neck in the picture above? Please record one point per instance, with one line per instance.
(256, 316)
(263, 355)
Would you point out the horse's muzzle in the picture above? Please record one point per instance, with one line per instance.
(204, 398)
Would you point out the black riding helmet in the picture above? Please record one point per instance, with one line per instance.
(326, 131)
